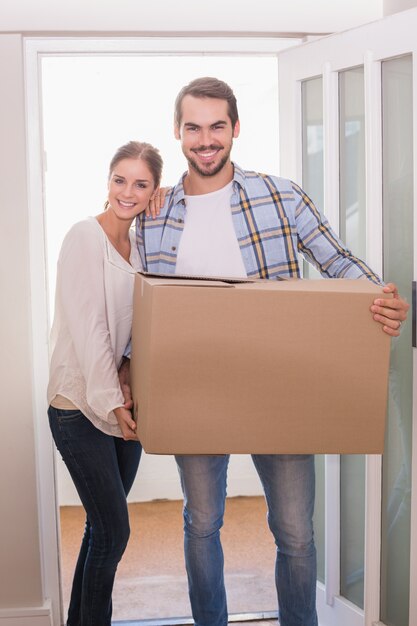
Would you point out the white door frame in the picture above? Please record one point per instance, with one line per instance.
(35, 49)
(365, 46)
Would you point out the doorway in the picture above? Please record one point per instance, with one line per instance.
(80, 122)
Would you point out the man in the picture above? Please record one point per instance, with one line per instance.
(222, 221)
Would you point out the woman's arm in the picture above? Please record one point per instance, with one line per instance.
(81, 296)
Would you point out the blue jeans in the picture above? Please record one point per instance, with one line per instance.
(289, 486)
(103, 469)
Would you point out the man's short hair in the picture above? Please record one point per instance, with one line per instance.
(208, 87)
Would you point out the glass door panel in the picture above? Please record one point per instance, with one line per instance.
(352, 222)
(397, 155)
(352, 160)
(312, 149)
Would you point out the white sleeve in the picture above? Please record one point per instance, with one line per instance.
(128, 350)
(81, 290)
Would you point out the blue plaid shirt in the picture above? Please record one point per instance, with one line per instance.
(274, 222)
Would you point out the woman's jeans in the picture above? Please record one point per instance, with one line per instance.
(103, 469)
(289, 486)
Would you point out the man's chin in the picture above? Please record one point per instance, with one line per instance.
(211, 169)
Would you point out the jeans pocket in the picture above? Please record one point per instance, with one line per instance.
(68, 414)
(67, 425)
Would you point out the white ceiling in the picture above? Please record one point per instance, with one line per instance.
(285, 17)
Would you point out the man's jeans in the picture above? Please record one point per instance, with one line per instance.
(289, 486)
(103, 469)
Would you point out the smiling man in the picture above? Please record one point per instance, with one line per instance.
(207, 144)
(220, 220)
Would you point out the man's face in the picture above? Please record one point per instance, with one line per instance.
(206, 134)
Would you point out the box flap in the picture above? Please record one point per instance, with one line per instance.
(192, 281)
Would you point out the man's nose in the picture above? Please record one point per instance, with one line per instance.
(205, 137)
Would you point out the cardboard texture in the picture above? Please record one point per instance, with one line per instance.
(295, 366)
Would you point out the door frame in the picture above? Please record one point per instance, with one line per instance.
(35, 48)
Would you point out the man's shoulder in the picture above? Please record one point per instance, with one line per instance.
(267, 183)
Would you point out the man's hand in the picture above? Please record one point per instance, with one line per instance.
(390, 312)
(126, 423)
(124, 380)
(156, 202)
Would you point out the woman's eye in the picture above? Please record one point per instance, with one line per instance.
(118, 181)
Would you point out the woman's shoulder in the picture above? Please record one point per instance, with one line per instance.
(84, 235)
(87, 228)
(87, 225)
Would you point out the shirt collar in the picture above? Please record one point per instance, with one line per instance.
(239, 175)
(179, 194)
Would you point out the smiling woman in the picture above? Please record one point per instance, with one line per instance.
(89, 417)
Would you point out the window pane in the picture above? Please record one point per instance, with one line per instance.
(352, 160)
(312, 160)
(353, 233)
(313, 185)
(398, 267)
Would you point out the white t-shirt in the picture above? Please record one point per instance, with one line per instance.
(208, 245)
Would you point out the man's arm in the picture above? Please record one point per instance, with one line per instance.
(334, 259)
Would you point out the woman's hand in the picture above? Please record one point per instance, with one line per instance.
(156, 202)
(124, 380)
(126, 423)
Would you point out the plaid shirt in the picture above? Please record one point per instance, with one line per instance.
(274, 221)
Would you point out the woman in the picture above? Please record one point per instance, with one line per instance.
(91, 424)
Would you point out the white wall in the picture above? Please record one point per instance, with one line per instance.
(290, 16)
(19, 537)
(395, 6)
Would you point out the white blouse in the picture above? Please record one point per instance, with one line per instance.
(92, 323)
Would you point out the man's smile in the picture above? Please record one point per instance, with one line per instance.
(207, 154)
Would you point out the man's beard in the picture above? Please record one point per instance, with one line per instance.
(212, 172)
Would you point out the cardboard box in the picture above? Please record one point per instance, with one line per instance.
(295, 366)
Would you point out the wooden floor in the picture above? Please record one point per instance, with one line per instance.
(151, 581)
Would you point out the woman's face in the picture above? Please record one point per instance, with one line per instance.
(130, 187)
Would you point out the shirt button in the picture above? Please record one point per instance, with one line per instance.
(180, 221)
(173, 248)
